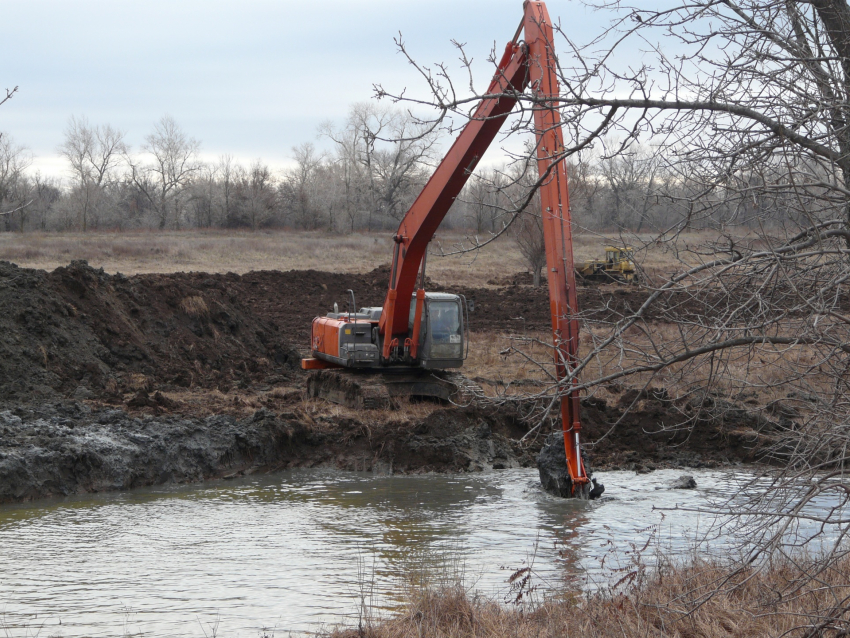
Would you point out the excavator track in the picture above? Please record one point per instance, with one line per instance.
(382, 390)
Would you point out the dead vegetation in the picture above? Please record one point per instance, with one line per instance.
(701, 600)
(195, 307)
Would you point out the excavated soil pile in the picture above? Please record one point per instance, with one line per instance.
(291, 300)
(78, 332)
(646, 429)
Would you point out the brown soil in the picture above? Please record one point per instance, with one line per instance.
(658, 432)
(79, 327)
(291, 299)
(198, 346)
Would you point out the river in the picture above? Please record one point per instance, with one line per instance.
(300, 550)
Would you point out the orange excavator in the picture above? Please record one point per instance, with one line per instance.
(416, 334)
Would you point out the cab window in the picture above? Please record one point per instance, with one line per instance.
(445, 322)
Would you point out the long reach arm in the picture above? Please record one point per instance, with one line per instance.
(533, 64)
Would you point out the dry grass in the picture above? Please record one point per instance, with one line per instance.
(495, 371)
(756, 378)
(241, 252)
(195, 307)
(700, 600)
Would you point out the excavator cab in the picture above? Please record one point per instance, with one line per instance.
(616, 256)
(442, 332)
(353, 340)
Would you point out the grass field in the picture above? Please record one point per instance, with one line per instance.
(241, 252)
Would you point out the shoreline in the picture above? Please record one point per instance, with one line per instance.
(72, 448)
(707, 598)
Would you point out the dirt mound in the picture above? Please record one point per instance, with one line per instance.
(518, 306)
(80, 332)
(78, 329)
(293, 298)
(516, 279)
(645, 429)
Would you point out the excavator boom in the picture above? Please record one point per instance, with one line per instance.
(557, 231)
(425, 215)
(531, 64)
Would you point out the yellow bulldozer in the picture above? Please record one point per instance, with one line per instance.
(618, 266)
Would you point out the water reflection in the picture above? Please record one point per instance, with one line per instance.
(300, 548)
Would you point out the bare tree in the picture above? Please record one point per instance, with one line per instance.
(746, 106)
(202, 196)
(258, 190)
(630, 181)
(173, 161)
(482, 196)
(301, 186)
(527, 227)
(9, 94)
(14, 187)
(384, 152)
(528, 234)
(93, 154)
(226, 168)
(46, 192)
(350, 172)
(586, 192)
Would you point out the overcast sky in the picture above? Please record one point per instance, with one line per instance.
(251, 78)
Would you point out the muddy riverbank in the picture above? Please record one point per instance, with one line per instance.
(111, 382)
(72, 448)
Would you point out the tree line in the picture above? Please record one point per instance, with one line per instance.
(378, 160)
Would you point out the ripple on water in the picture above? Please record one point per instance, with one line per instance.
(299, 548)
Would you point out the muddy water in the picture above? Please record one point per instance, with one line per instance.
(299, 549)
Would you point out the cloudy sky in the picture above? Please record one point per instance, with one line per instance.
(251, 78)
